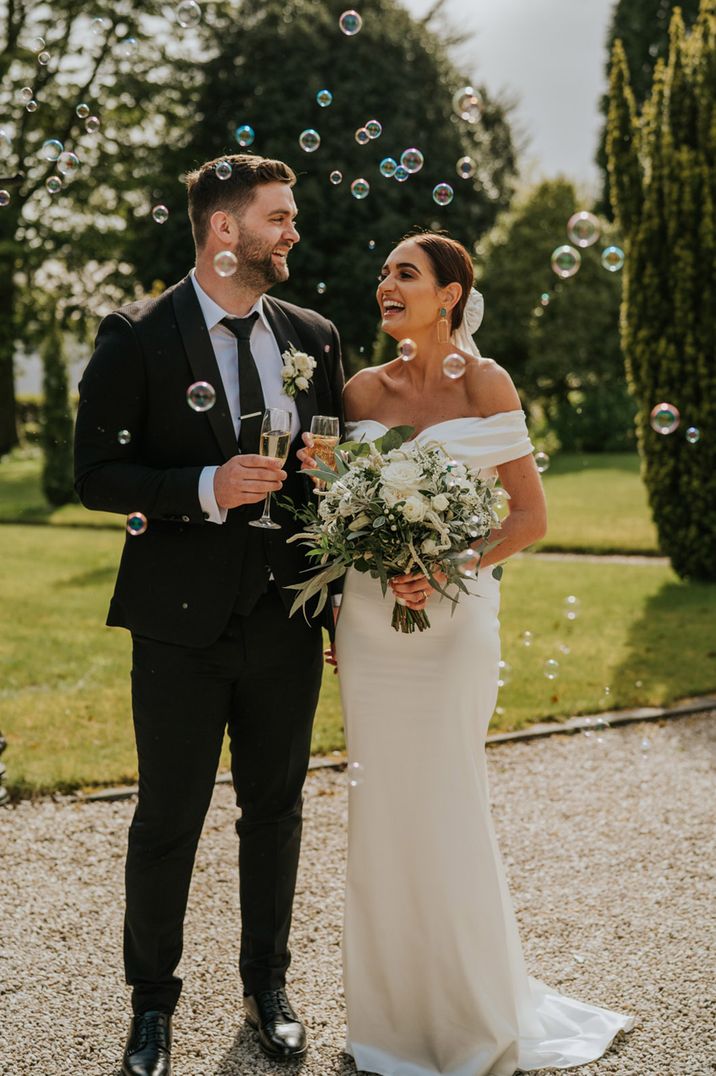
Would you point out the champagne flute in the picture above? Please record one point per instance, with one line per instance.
(326, 433)
(274, 440)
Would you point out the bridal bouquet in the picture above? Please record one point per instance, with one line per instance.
(393, 507)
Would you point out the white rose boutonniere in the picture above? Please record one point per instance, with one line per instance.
(297, 372)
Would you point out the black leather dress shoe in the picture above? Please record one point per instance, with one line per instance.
(148, 1049)
(281, 1034)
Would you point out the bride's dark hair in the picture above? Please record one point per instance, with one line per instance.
(451, 264)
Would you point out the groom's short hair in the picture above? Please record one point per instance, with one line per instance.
(207, 192)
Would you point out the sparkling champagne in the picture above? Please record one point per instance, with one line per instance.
(275, 443)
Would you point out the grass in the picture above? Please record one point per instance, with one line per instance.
(64, 683)
(597, 503)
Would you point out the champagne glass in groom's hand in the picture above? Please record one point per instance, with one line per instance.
(274, 441)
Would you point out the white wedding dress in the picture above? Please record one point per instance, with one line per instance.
(435, 980)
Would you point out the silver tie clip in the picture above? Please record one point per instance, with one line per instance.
(254, 414)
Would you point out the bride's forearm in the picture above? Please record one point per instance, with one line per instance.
(516, 533)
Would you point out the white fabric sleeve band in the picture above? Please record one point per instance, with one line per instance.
(207, 500)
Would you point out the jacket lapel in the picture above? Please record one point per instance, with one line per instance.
(200, 353)
(286, 334)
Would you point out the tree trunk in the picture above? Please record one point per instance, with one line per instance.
(8, 421)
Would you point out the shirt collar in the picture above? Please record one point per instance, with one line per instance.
(213, 313)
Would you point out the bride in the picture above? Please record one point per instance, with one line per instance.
(435, 979)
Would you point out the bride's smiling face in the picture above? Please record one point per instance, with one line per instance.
(408, 294)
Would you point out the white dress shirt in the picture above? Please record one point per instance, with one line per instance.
(269, 364)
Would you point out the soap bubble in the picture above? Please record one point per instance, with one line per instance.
(693, 434)
(4, 197)
(412, 160)
(309, 140)
(454, 366)
(201, 396)
(545, 298)
(613, 259)
(583, 229)
(136, 523)
(127, 47)
(388, 166)
(188, 14)
(565, 261)
(225, 263)
(645, 745)
(443, 194)
(51, 149)
(501, 503)
(542, 461)
(467, 103)
(504, 673)
(527, 638)
(551, 668)
(371, 244)
(360, 188)
(31, 106)
(572, 605)
(43, 58)
(361, 136)
(466, 168)
(407, 349)
(664, 418)
(374, 128)
(350, 23)
(92, 124)
(355, 774)
(401, 173)
(244, 135)
(82, 111)
(223, 170)
(321, 288)
(160, 214)
(324, 98)
(124, 437)
(24, 95)
(38, 44)
(67, 163)
(53, 184)
(336, 177)
(563, 648)
(99, 26)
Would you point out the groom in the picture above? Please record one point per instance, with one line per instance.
(203, 593)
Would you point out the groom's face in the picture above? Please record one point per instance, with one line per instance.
(266, 234)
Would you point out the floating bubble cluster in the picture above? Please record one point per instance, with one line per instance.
(201, 396)
(350, 23)
(454, 366)
(664, 418)
(309, 140)
(160, 214)
(583, 229)
(566, 261)
(245, 135)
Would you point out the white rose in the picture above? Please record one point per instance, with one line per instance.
(287, 372)
(402, 474)
(413, 509)
(301, 384)
(430, 547)
(440, 503)
(304, 364)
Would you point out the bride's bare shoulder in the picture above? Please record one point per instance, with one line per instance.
(363, 391)
(490, 388)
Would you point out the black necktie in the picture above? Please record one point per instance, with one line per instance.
(251, 397)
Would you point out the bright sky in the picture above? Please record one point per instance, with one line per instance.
(550, 55)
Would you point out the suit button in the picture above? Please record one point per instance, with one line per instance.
(185, 519)
(185, 605)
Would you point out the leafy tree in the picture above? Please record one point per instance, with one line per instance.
(57, 471)
(558, 338)
(663, 186)
(134, 80)
(642, 26)
(267, 62)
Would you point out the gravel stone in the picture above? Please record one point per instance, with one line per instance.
(609, 848)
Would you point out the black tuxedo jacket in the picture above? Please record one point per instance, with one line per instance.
(180, 580)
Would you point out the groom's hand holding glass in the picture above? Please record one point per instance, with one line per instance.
(247, 479)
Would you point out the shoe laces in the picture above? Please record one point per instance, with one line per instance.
(276, 1004)
(151, 1030)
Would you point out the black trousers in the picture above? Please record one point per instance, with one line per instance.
(260, 680)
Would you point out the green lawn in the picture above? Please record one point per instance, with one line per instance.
(64, 685)
(597, 503)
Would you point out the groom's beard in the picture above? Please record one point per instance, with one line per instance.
(257, 266)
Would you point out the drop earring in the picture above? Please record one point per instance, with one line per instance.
(443, 327)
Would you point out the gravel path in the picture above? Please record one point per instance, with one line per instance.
(610, 854)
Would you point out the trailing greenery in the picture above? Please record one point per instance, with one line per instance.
(56, 436)
(642, 26)
(559, 339)
(663, 183)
